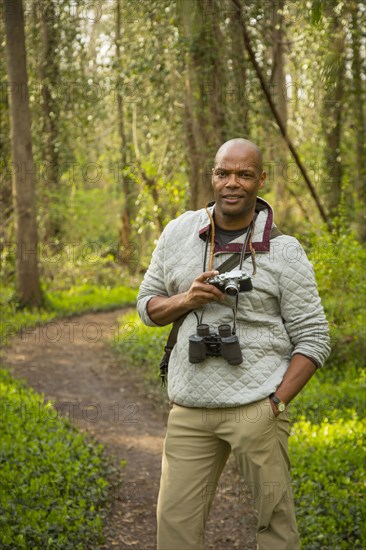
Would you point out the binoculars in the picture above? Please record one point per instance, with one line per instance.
(212, 344)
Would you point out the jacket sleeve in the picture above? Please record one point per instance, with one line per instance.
(153, 283)
(301, 307)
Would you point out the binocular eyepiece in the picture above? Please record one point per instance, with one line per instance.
(214, 344)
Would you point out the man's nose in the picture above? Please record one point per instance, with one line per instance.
(232, 180)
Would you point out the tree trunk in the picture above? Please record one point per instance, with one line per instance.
(49, 75)
(212, 68)
(28, 287)
(128, 203)
(276, 115)
(200, 193)
(204, 86)
(332, 114)
(359, 121)
(278, 84)
(6, 204)
(237, 89)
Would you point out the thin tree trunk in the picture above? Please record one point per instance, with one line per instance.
(195, 142)
(49, 75)
(332, 117)
(28, 287)
(278, 84)
(214, 73)
(277, 117)
(238, 87)
(6, 204)
(199, 193)
(204, 84)
(127, 209)
(150, 183)
(359, 120)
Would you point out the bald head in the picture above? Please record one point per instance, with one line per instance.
(235, 147)
(236, 179)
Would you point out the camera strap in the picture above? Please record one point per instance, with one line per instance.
(228, 265)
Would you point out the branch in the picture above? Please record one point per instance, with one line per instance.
(277, 117)
(134, 131)
(150, 182)
(298, 202)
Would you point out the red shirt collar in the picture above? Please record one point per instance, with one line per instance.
(262, 229)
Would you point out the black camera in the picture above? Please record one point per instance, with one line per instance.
(232, 282)
(207, 344)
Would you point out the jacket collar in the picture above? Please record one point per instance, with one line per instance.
(262, 228)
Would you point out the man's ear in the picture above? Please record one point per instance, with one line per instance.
(262, 179)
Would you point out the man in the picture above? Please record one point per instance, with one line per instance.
(218, 407)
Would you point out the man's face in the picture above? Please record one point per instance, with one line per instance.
(236, 179)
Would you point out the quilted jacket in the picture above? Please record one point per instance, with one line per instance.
(281, 316)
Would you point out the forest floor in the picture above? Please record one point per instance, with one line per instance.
(72, 364)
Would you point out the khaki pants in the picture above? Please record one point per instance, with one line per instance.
(197, 446)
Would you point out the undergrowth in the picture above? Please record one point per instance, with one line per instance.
(53, 479)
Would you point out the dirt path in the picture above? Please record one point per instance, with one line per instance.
(68, 360)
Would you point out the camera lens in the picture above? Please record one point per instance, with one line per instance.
(231, 289)
(203, 330)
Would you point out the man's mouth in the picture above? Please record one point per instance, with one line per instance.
(232, 198)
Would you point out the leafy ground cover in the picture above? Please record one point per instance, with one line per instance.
(62, 302)
(329, 483)
(53, 480)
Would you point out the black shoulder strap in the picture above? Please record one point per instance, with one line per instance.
(275, 232)
(228, 265)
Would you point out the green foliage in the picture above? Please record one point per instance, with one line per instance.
(93, 214)
(90, 298)
(316, 10)
(74, 300)
(329, 483)
(141, 345)
(330, 398)
(339, 262)
(52, 479)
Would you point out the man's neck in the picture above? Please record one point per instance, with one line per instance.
(230, 223)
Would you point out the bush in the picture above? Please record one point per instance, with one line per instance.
(329, 484)
(327, 398)
(52, 479)
(143, 346)
(339, 263)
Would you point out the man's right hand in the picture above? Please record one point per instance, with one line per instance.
(164, 310)
(202, 293)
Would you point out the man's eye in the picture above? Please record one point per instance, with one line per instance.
(246, 175)
(221, 173)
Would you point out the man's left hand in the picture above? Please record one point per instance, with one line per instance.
(276, 412)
